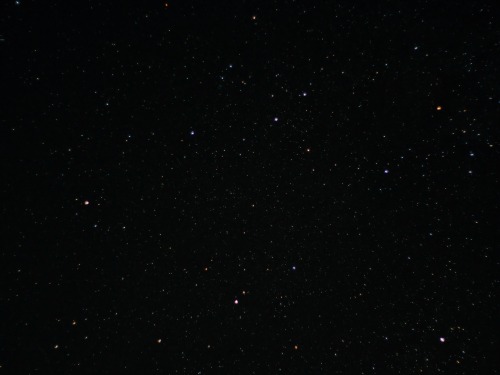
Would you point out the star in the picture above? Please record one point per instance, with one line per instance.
(236, 301)
(86, 203)
(442, 339)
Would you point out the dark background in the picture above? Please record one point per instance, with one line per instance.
(333, 166)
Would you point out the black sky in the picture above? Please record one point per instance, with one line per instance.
(331, 166)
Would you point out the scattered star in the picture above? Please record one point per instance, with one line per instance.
(159, 173)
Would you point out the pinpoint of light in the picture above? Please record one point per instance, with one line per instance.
(86, 203)
(442, 339)
(438, 108)
(275, 119)
(158, 341)
(236, 302)
(296, 347)
(386, 171)
(294, 268)
(192, 132)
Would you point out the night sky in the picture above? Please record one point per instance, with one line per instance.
(249, 187)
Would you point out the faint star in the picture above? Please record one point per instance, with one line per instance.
(236, 302)
(386, 171)
(441, 339)
(86, 203)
